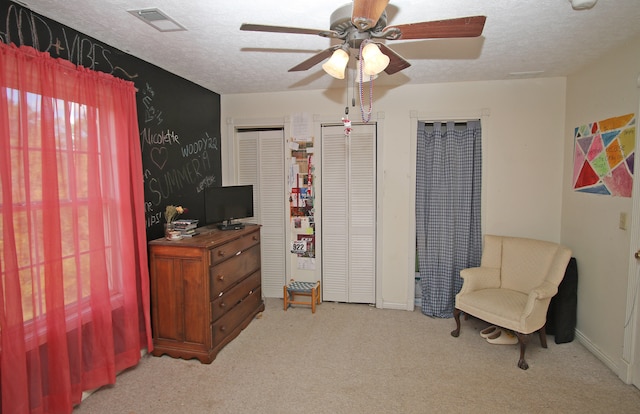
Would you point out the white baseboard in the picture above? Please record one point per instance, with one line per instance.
(622, 373)
(397, 306)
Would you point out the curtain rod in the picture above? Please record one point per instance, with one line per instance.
(457, 121)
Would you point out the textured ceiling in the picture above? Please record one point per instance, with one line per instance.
(519, 36)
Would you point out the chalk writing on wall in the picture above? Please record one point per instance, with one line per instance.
(179, 121)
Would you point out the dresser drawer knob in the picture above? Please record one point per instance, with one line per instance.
(223, 328)
(221, 253)
(221, 277)
(255, 237)
(223, 305)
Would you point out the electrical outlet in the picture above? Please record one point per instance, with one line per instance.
(622, 224)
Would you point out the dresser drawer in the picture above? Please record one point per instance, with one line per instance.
(232, 248)
(232, 320)
(226, 302)
(231, 271)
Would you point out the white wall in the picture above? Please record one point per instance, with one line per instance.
(605, 89)
(522, 139)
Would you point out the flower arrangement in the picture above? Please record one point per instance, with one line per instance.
(171, 212)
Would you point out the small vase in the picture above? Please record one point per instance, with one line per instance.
(172, 233)
(168, 228)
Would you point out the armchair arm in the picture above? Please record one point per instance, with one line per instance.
(545, 290)
(476, 278)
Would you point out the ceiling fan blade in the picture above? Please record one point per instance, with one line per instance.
(314, 60)
(396, 62)
(284, 29)
(366, 13)
(438, 29)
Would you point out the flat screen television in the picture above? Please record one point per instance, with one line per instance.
(223, 206)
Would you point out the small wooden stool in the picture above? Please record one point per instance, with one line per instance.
(311, 289)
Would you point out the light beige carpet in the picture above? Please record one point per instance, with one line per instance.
(349, 358)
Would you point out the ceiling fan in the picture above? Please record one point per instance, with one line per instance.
(366, 21)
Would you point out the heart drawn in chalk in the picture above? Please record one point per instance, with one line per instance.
(159, 156)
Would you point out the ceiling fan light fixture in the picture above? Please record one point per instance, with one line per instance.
(374, 60)
(367, 78)
(337, 64)
(362, 77)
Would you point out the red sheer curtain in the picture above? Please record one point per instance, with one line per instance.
(74, 300)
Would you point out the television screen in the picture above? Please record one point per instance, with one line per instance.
(222, 205)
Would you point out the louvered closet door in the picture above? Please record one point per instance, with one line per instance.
(261, 163)
(349, 214)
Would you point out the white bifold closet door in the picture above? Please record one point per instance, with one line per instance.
(261, 163)
(349, 214)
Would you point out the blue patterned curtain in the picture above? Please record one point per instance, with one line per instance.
(448, 187)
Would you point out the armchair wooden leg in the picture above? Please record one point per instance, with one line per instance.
(456, 315)
(543, 336)
(523, 339)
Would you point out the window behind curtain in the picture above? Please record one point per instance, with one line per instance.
(70, 119)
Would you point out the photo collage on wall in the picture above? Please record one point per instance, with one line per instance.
(301, 200)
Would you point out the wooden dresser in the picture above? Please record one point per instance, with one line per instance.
(204, 291)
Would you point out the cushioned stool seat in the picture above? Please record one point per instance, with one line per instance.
(310, 289)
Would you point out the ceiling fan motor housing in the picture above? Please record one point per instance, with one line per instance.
(340, 22)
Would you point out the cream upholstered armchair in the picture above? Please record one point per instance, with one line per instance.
(513, 286)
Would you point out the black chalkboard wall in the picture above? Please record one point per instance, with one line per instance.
(179, 121)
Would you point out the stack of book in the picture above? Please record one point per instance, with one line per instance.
(186, 227)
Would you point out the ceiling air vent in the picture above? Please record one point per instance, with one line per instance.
(158, 19)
